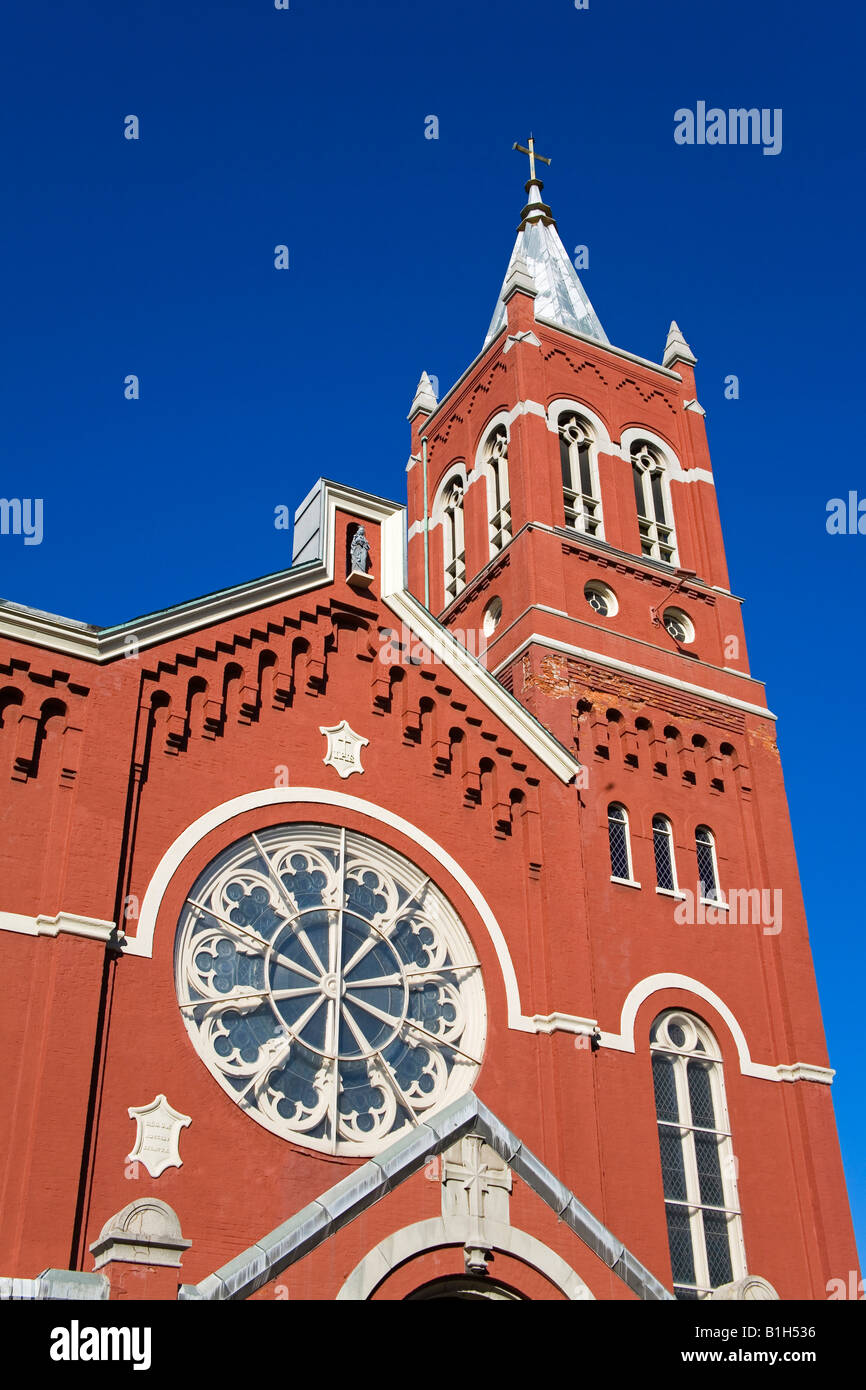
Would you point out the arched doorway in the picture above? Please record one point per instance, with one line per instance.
(465, 1287)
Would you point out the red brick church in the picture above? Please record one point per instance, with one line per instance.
(423, 920)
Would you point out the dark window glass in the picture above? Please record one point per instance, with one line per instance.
(658, 497)
(709, 1170)
(565, 460)
(665, 1088)
(680, 1241)
(718, 1248)
(585, 474)
(706, 865)
(637, 477)
(701, 1096)
(597, 601)
(618, 834)
(663, 853)
(673, 1172)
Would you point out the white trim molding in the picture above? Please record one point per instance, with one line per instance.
(565, 1023)
(71, 923)
(524, 408)
(142, 943)
(485, 685)
(441, 1231)
(565, 405)
(624, 1040)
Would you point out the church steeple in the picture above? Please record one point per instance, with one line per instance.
(560, 297)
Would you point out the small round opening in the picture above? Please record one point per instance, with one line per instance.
(600, 598)
(679, 626)
(491, 617)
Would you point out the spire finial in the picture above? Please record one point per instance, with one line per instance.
(535, 210)
(532, 157)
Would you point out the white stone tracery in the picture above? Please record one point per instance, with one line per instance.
(329, 987)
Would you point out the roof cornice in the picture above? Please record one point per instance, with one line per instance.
(101, 645)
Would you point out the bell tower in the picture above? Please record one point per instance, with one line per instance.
(563, 521)
(562, 490)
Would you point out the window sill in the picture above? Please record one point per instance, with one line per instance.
(626, 882)
(672, 893)
(716, 902)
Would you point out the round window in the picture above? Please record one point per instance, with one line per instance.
(679, 626)
(600, 598)
(491, 616)
(329, 986)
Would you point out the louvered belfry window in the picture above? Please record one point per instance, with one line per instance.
(455, 554)
(579, 485)
(657, 539)
(496, 458)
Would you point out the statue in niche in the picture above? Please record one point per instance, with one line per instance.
(359, 552)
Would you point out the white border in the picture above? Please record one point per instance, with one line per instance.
(564, 405)
(623, 1041)
(441, 1231)
(142, 944)
(72, 923)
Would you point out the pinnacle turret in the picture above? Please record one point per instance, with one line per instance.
(676, 348)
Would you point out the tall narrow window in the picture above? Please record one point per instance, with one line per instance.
(454, 551)
(498, 497)
(620, 852)
(656, 527)
(698, 1170)
(579, 484)
(663, 846)
(708, 871)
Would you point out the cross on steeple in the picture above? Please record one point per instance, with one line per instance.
(532, 156)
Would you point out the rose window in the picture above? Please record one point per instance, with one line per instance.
(329, 986)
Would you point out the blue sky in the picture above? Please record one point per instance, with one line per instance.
(305, 127)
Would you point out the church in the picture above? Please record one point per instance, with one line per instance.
(423, 921)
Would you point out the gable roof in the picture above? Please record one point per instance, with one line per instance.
(313, 1225)
(315, 524)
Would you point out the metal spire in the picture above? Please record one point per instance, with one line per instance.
(560, 297)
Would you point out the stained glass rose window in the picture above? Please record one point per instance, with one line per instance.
(329, 986)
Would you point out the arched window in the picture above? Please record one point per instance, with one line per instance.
(498, 496)
(620, 851)
(453, 542)
(708, 870)
(698, 1168)
(663, 846)
(579, 482)
(656, 526)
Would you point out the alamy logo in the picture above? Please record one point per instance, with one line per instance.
(405, 648)
(77, 1343)
(846, 517)
(737, 126)
(751, 907)
(22, 517)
